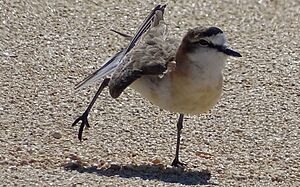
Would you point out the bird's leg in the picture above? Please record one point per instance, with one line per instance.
(84, 116)
(176, 162)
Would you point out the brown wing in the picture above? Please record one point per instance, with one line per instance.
(113, 62)
(150, 57)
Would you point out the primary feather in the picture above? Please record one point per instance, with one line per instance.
(113, 62)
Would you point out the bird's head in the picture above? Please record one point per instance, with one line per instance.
(208, 38)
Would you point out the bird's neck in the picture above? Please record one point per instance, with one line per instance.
(204, 60)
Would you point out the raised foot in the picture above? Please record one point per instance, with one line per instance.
(178, 164)
(84, 123)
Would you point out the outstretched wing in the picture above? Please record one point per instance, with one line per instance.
(151, 57)
(112, 63)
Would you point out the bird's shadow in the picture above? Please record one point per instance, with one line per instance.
(146, 172)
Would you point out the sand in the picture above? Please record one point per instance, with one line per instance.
(251, 138)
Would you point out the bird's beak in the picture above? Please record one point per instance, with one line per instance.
(230, 52)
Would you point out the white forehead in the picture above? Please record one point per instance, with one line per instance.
(219, 39)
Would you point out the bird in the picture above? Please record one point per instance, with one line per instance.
(183, 76)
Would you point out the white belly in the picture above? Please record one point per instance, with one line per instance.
(194, 87)
(180, 94)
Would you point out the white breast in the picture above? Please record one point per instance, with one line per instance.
(196, 91)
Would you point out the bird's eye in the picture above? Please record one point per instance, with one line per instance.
(203, 42)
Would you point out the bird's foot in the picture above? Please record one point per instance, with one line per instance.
(84, 123)
(178, 164)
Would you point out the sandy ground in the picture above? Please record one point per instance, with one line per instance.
(250, 138)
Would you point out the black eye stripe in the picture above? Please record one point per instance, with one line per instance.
(194, 45)
(207, 44)
(203, 42)
(217, 47)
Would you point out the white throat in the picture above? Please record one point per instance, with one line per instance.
(209, 60)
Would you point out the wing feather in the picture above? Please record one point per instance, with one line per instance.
(113, 62)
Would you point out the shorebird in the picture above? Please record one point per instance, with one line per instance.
(181, 76)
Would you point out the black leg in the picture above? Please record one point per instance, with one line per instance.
(85, 114)
(176, 162)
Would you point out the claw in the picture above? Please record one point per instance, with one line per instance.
(87, 125)
(178, 164)
(76, 121)
(84, 123)
(84, 116)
